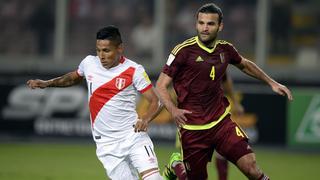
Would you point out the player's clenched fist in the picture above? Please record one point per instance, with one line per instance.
(141, 126)
(37, 83)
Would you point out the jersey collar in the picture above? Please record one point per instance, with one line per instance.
(122, 59)
(202, 46)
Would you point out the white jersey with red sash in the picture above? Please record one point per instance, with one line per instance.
(112, 96)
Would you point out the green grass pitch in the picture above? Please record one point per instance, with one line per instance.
(39, 161)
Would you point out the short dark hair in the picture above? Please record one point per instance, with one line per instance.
(110, 33)
(211, 8)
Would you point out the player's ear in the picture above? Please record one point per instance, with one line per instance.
(220, 26)
(120, 48)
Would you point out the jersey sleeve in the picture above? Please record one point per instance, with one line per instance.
(81, 67)
(173, 64)
(141, 80)
(235, 57)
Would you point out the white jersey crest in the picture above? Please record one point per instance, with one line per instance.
(120, 83)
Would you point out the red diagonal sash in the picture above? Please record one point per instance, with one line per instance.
(105, 92)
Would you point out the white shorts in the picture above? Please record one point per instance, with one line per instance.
(129, 157)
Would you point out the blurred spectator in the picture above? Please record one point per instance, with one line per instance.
(81, 27)
(16, 38)
(42, 23)
(80, 8)
(185, 19)
(280, 26)
(239, 26)
(144, 37)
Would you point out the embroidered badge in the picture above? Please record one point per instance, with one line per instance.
(120, 83)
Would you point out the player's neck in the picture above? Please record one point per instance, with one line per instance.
(116, 63)
(208, 44)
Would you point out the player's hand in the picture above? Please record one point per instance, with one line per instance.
(179, 116)
(282, 90)
(37, 83)
(141, 125)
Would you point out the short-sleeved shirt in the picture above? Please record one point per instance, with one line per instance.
(112, 96)
(197, 73)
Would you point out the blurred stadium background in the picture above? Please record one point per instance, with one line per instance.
(45, 134)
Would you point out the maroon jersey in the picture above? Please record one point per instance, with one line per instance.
(197, 73)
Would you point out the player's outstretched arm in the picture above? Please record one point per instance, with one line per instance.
(66, 80)
(253, 70)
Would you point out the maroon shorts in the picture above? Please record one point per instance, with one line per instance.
(227, 138)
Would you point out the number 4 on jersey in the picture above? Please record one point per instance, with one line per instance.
(239, 132)
(212, 73)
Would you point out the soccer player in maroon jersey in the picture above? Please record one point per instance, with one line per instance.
(221, 163)
(196, 68)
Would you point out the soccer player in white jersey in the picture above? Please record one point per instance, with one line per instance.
(123, 146)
